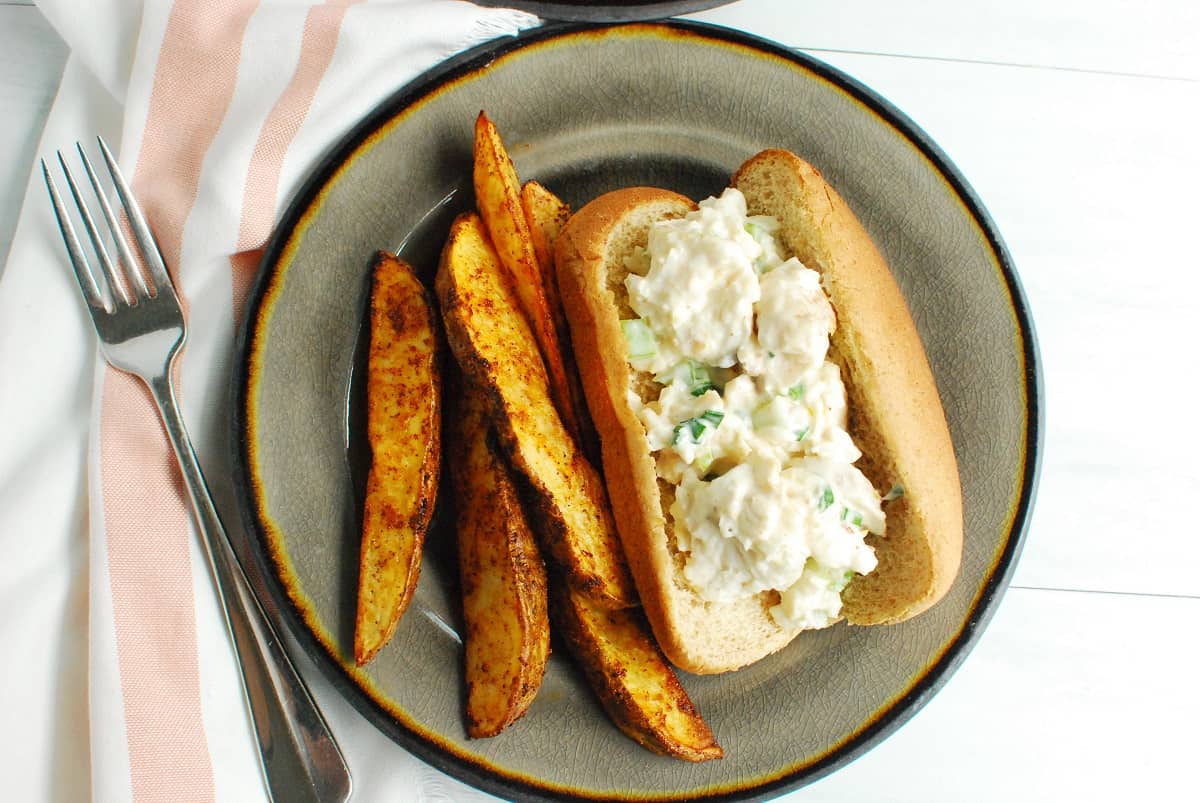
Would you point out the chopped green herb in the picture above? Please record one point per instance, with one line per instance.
(771, 354)
(695, 426)
(826, 500)
(639, 339)
(796, 392)
(696, 375)
(802, 434)
(698, 379)
(852, 517)
(843, 581)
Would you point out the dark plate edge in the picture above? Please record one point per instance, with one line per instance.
(577, 12)
(900, 710)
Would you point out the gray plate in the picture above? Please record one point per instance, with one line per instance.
(585, 110)
(617, 11)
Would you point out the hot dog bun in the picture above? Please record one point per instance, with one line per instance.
(895, 413)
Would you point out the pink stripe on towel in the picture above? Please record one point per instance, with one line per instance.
(146, 515)
(321, 29)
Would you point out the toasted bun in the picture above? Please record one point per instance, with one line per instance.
(919, 555)
(896, 416)
(590, 252)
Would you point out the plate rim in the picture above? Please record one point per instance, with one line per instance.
(485, 776)
(633, 12)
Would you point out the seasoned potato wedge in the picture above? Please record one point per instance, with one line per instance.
(546, 214)
(498, 198)
(403, 430)
(503, 578)
(495, 348)
(630, 675)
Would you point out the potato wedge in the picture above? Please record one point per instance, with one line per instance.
(492, 343)
(404, 433)
(546, 214)
(498, 198)
(507, 636)
(628, 672)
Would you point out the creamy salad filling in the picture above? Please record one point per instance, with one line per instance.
(750, 424)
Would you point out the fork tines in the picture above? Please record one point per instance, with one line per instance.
(126, 277)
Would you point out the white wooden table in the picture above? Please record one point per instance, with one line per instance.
(1078, 123)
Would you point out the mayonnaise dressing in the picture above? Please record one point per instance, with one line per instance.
(750, 424)
(701, 288)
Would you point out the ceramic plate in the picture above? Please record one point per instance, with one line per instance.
(585, 110)
(616, 11)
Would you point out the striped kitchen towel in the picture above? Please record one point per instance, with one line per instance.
(118, 680)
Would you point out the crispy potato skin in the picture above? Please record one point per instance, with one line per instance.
(503, 578)
(498, 198)
(630, 675)
(404, 433)
(495, 349)
(547, 214)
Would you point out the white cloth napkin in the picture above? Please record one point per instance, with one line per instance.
(117, 680)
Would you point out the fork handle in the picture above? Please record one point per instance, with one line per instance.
(299, 757)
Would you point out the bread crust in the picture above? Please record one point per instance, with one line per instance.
(895, 412)
(896, 415)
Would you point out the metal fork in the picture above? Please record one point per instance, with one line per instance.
(141, 329)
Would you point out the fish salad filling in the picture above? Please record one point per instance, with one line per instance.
(750, 423)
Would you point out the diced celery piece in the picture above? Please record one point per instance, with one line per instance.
(769, 414)
(639, 339)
